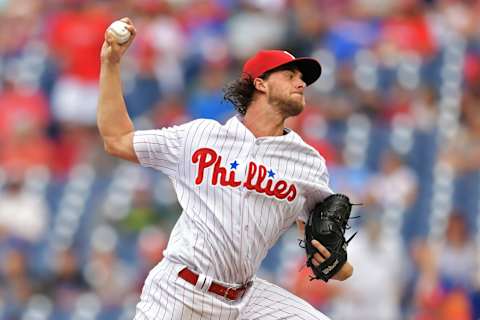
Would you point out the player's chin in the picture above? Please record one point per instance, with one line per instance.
(295, 108)
(297, 105)
(299, 98)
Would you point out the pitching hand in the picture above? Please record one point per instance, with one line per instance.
(111, 51)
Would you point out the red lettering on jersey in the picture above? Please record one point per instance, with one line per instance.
(252, 171)
(280, 189)
(232, 182)
(269, 188)
(262, 173)
(205, 158)
(220, 172)
(256, 178)
(292, 192)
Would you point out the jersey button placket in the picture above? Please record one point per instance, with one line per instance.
(254, 151)
(249, 158)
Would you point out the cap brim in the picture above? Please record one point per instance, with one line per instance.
(310, 69)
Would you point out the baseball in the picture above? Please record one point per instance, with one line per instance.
(120, 31)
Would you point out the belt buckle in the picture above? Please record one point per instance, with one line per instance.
(225, 296)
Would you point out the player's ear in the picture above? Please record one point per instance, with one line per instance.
(260, 85)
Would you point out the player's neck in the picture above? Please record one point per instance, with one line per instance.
(262, 121)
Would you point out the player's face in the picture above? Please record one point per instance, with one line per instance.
(286, 92)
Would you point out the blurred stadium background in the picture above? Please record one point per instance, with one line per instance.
(396, 114)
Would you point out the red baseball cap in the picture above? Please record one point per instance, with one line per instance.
(266, 60)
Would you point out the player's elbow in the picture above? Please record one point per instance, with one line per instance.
(120, 147)
(113, 149)
(109, 147)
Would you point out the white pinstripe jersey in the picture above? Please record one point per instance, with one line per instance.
(239, 193)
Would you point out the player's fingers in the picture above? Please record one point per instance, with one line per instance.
(112, 41)
(132, 30)
(129, 41)
(130, 26)
(127, 20)
(108, 37)
(323, 251)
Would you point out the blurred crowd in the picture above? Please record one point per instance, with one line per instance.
(396, 114)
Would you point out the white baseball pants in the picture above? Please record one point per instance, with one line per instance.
(166, 296)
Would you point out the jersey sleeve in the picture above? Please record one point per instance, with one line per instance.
(316, 191)
(161, 149)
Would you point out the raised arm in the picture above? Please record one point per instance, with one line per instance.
(113, 121)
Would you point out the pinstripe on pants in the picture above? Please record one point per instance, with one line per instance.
(165, 296)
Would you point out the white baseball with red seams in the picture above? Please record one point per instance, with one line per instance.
(239, 194)
(119, 31)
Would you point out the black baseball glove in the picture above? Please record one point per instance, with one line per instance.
(327, 224)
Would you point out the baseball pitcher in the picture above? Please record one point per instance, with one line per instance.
(241, 185)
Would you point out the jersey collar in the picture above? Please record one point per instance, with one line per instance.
(237, 121)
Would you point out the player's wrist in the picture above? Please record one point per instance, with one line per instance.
(107, 64)
(344, 273)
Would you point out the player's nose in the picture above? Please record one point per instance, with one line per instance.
(300, 84)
